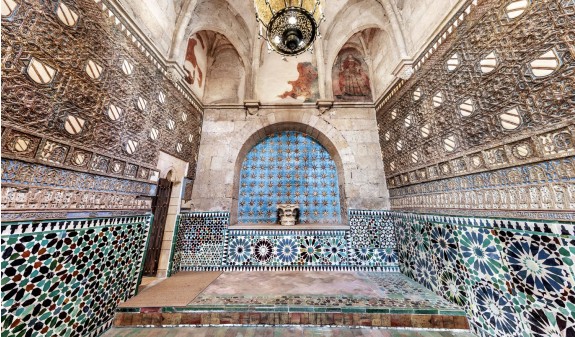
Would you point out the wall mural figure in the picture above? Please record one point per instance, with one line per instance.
(191, 67)
(306, 85)
(350, 79)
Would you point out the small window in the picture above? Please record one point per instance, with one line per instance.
(114, 113)
(190, 138)
(488, 63)
(466, 108)
(414, 157)
(184, 117)
(417, 94)
(66, 15)
(142, 104)
(425, 131)
(545, 64)
(515, 8)
(93, 69)
(408, 120)
(154, 133)
(511, 119)
(394, 114)
(449, 144)
(171, 124)
(453, 62)
(40, 72)
(438, 99)
(162, 97)
(399, 145)
(131, 146)
(387, 135)
(127, 67)
(179, 148)
(74, 125)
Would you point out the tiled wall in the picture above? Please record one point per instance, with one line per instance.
(65, 278)
(289, 167)
(205, 242)
(514, 277)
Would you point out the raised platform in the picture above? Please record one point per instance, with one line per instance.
(357, 299)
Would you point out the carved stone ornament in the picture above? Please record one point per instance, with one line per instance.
(173, 75)
(288, 214)
(252, 107)
(324, 105)
(404, 70)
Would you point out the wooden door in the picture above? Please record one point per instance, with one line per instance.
(160, 204)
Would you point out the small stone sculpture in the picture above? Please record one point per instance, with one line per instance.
(288, 214)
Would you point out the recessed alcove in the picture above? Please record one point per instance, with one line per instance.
(289, 163)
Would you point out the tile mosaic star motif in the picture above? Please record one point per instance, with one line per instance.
(513, 277)
(205, 242)
(68, 282)
(289, 167)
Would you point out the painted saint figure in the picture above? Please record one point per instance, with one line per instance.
(352, 79)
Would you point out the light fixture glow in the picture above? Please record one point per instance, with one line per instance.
(291, 26)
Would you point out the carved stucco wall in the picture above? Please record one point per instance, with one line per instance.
(80, 93)
(486, 124)
(349, 135)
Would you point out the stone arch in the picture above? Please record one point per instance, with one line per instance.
(330, 138)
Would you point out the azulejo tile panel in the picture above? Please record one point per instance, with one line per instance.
(513, 277)
(65, 278)
(289, 167)
(205, 242)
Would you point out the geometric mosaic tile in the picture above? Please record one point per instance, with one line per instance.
(68, 282)
(369, 244)
(513, 277)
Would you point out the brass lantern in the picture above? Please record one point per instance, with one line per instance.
(290, 26)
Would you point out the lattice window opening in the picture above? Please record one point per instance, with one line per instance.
(179, 147)
(131, 146)
(154, 134)
(417, 94)
(516, 8)
(9, 7)
(545, 64)
(438, 99)
(74, 125)
(511, 119)
(466, 108)
(453, 62)
(425, 131)
(170, 124)
(141, 104)
(162, 97)
(127, 67)
(450, 143)
(408, 121)
(40, 72)
(66, 14)
(184, 116)
(93, 69)
(114, 112)
(489, 63)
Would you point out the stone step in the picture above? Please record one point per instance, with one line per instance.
(168, 317)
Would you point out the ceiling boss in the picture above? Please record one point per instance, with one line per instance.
(290, 26)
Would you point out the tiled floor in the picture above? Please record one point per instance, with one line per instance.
(276, 332)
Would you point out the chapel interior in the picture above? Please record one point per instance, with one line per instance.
(378, 168)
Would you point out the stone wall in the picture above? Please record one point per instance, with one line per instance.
(348, 133)
(513, 277)
(66, 278)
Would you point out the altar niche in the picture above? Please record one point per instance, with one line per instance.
(289, 167)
